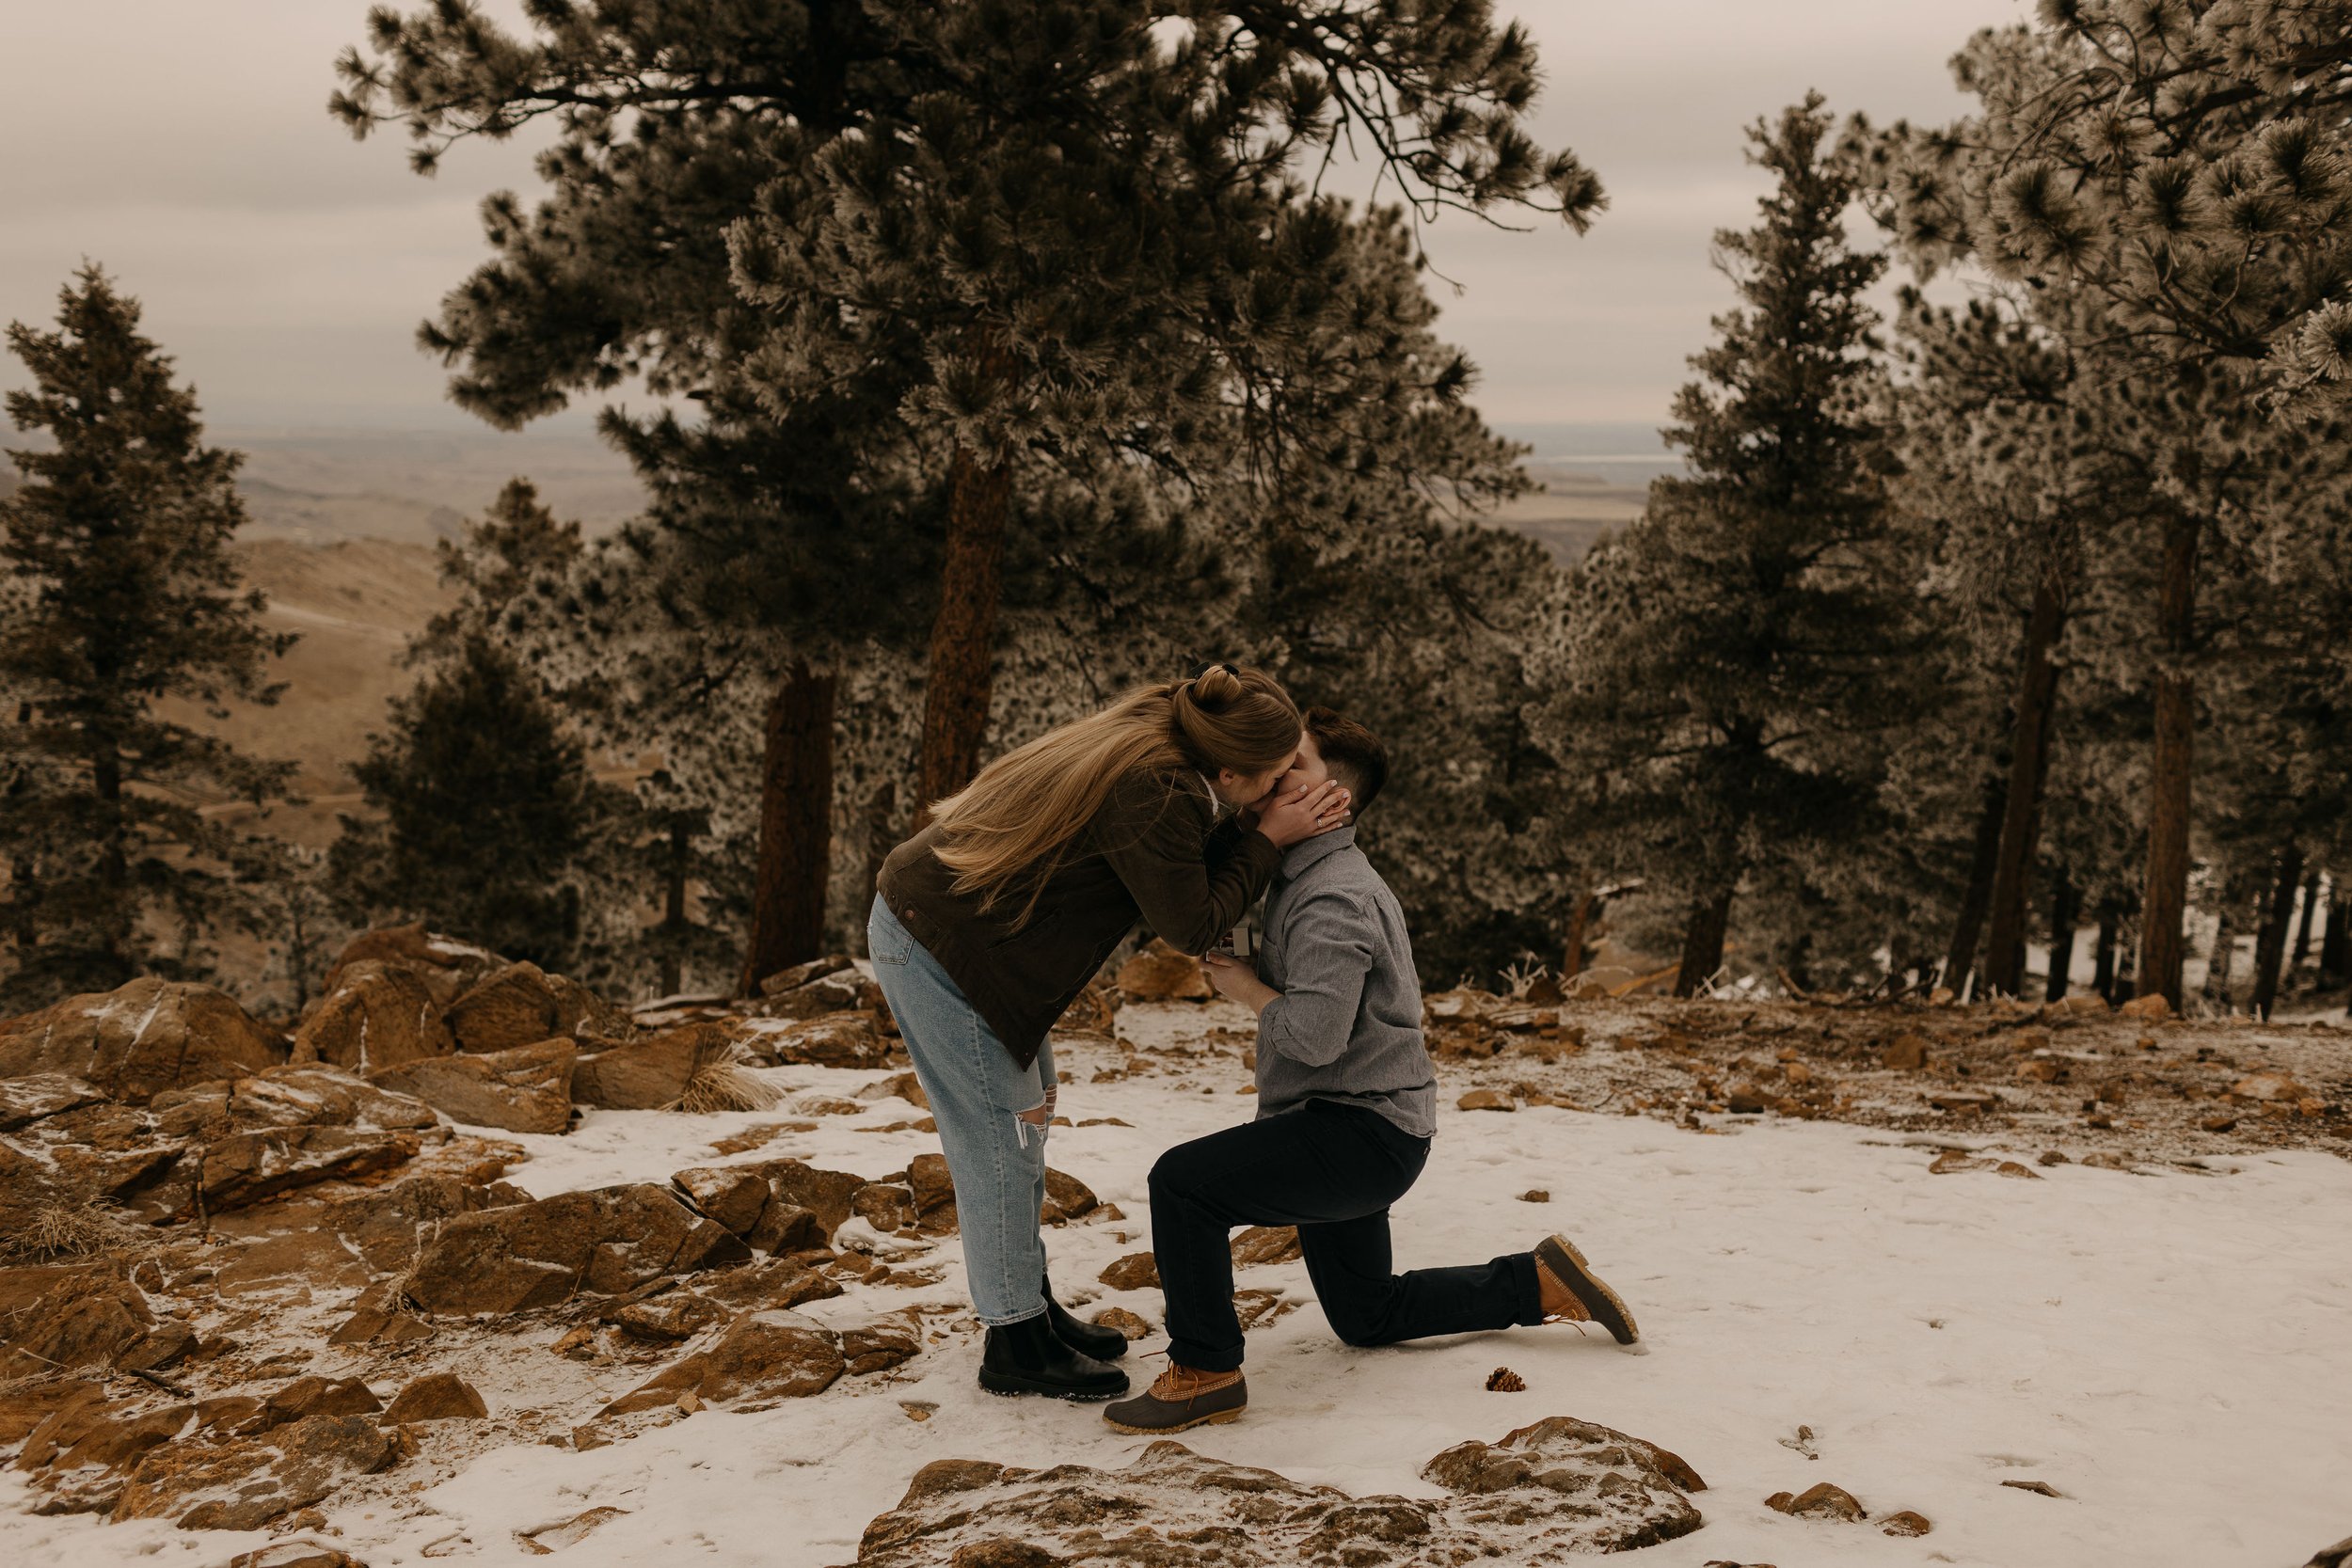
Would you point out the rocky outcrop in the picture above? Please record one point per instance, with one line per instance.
(608, 1241)
(436, 1397)
(510, 1006)
(58, 1316)
(768, 1357)
(525, 1089)
(446, 966)
(139, 1040)
(1557, 1488)
(843, 1039)
(378, 1016)
(244, 1483)
(773, 1205)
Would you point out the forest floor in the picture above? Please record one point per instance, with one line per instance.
(2069, 1317)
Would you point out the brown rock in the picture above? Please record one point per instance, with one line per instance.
(580, 1014)
(1160, 973)
(508, 1007)
(1905, 1052)
(608, 1241)
(774, 1205)
(2152, 1005)
(57, 1316)
(904, 1086)
(37, 1097)
(379, 1015)
(436, 1397)
(244, 1168)
(763, 1355)
(2039, 1070)
(672, 1316)
(525, 1089)
(651, 1072)
(446, 966)
(306, 1397)
(830, 993)
(2016, 1172)
(2043, 1488)
(245, 1482)
(1824, 1501)
(1125, 1321)
(295, 1554)
(887, 1206)
(802, 974)
(1543, 992)
(1535, 1195)
(878, 1348)
(2266, 1087)
(1261, 1243)
(1065, 1197)
(1137, 1270)
(834, 1039)
(2218, 1124)
(1953, 1161)
(382, 1223)
(1908, 1522)
(1486, 1100)
(139, 1040)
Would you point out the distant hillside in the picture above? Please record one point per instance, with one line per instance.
(416, 486)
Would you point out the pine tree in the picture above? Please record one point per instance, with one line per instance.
(2173, 177)
(486, 802)
(1000, 244)
(122, 590)
(1726, 662)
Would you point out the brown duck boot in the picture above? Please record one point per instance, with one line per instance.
(1573, 1293)
(1179, 1399)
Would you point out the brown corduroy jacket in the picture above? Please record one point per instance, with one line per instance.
(1154, 852)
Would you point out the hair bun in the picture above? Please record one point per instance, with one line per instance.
(1214, 687)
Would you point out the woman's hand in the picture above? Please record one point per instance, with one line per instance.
(1305, 812)
(1238, 982)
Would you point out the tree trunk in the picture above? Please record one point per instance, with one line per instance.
(1978, 895)
(2271, 946)
(2065, 909)
(795, 827)
(2102, 958)
(2335, 942)
(674, 907)
(881, 811)
(963, 637)
(2303, 929)
(2028, 765)
(1572, 957)
(2163, 944)
(1702, 943)
(2224, 956)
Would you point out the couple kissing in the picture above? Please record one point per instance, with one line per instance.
(1180, 805)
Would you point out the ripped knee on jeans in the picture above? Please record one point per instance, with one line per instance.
(1038, 1115)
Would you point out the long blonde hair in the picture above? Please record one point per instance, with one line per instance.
(1013, 824)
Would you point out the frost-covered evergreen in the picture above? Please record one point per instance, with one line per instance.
(1733, 664)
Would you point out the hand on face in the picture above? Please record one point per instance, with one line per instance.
(1301, 814)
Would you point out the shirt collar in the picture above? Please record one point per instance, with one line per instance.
(1307, 851)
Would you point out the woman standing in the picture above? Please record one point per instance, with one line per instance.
(988, 922)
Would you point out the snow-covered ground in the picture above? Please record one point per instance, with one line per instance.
(2171, 1353)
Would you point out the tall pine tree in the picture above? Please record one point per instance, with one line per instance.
(116, 550)
(1728, 669)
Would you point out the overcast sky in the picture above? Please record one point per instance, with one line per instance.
(187, 146)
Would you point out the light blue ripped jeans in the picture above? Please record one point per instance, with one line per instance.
(993, 1119)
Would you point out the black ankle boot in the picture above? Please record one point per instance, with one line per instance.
(1028, 1357)
(1103, 1344)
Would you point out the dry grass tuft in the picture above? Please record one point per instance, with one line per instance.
(725, 1082)
(46, 1231)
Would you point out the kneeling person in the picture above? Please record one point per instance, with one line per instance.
(1346, 1107)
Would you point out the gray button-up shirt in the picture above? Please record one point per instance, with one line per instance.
(1347, 1025)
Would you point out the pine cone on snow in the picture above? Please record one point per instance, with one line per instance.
(1504, 1381)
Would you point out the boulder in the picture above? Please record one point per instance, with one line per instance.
(1823, 1501)
(1559, 1489)
(525, 1089)
(1065, 1197)
(244, 1168)
(774, 1205)
(436, 1397)
(1137, 1270)
(608, 1241)
(57, 1316)
(763, 1358)
(904, 1086)
(581, 1014)
(834, 1039)
(446, 966)
(244, 1483)
(382, 1224)
(2265, 1087)
(80, 1459)
(2150, 1007)
(289, 1097)
(1161, 973)
(378, 1016)
(510, 1006)
(1486, 1100)
(830, 994)
(38, 1096)
(800, 974)
(1262, 1244)
(667, 1069)
(139, 1040)
(1905, 1054)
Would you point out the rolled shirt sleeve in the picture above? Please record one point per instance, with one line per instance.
(1331, 942)
(1190, 889)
